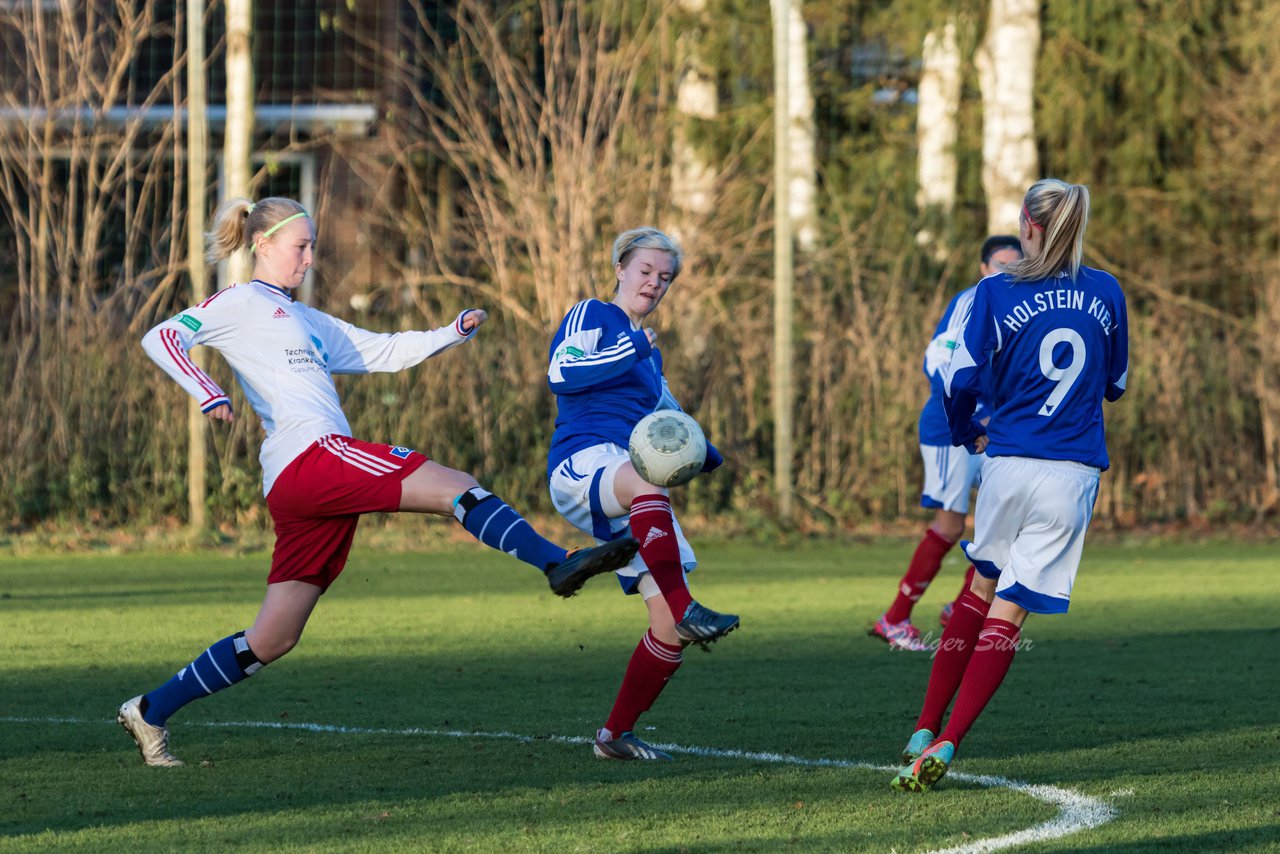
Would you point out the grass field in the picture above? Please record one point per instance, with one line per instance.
(1154, 698)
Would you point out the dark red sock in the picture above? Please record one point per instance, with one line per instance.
(653, 526)
(652, 665)
(997, 643)
(968, 582)
(923, 567)
(956, 646)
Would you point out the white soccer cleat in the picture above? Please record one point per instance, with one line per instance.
(627, 747)
(152, 741)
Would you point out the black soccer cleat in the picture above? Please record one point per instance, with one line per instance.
(568, 577)
(626, 747)
(701, 625)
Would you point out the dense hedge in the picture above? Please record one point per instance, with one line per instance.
(1174, 132)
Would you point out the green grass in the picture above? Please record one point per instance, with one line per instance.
(1153, 695)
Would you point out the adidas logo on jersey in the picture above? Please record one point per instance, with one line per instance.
(654, 534)
(280, 312)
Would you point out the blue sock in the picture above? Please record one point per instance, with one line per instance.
(492, 521)
(220, 666)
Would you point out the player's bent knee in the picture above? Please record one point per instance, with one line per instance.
(628, 485)
(983, 587)
(273, 649)
(432, 488)
(949, 525)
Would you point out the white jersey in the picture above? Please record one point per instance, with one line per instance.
(284, 355)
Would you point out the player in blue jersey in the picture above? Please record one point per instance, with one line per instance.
(606, 372)
(1049, 338)
(950, 472)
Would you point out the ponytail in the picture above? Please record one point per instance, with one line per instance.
(239, 221)
(1060, 212)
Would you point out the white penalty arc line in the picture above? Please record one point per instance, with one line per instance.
(1076, 811)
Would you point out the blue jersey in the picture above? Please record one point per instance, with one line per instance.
(934, 429)
(606, 378)
(1054, 349)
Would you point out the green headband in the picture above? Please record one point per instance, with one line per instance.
(282, 223)
(279, 225)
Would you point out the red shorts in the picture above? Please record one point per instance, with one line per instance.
(317, 500)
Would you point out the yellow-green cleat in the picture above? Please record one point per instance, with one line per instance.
(926, 771)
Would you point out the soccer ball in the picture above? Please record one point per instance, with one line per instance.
(667, 448)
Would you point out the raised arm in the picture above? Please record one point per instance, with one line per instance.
(353, 350)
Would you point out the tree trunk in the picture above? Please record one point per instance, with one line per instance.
(197, 154)
(800, 133)
(1006, 64)
(1267, 387)
(936, 128)
(696, 99)
(237, 143)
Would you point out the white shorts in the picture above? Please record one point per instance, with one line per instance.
(582, 492)
(1029, 529)
(950, 474)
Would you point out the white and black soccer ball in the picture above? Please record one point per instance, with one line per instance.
(667, 448)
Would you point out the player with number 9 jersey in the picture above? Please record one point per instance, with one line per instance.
(1048, 340)
(1055, 349)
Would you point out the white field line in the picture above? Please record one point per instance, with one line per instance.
(1076, 812)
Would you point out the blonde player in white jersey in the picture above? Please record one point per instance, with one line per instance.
(317, 479)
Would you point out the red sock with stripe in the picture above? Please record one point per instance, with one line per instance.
(924, 565)
(955, 648)
(968, 582)
(651, 666)
(997, 643)
(654, 528)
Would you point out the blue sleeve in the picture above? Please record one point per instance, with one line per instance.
(963, 378)
(585, 354)
(714, 459)
(1118, 361)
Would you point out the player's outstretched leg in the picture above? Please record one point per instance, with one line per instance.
(567, 577)
(927, 770)
(496, 524)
